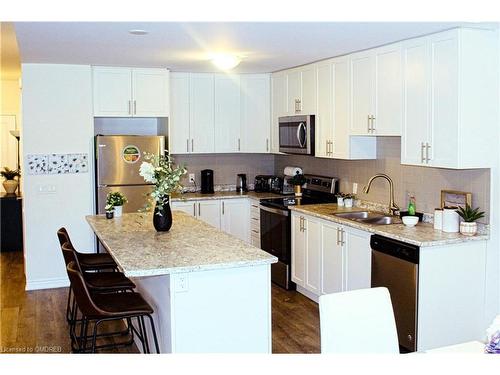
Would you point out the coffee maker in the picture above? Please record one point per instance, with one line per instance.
(241, 183)
(207, 181)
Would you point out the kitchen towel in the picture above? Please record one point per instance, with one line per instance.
(292, 171)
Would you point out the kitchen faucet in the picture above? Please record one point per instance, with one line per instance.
(393, 207)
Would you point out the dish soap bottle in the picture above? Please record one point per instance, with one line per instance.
(411, 206)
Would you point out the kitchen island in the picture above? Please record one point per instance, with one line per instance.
(211, 292)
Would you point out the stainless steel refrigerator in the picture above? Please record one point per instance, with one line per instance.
(118, 158)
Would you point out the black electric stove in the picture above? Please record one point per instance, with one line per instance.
(275, 223)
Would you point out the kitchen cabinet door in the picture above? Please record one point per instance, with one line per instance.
(179, 136)
(309, 99)
(255, 113)
(332, 267)
(388, 114)
(112, 91)
(188, 207)
(416, 77)
(279, 107)
(294, 91)
(341, 107)
(312, 229)
(358, 255)
(324, 117)
(235, 218)
(202, 129)
(150, 92)
(298, 251)
(362, 91)
(209, 212)
(227, 113)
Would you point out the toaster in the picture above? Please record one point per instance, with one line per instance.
(263, 183)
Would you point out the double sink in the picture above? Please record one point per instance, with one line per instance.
(367, 217)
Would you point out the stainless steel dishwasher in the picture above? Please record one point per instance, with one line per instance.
(395, 266)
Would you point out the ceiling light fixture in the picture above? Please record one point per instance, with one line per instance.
(225, 61)
(138, 32)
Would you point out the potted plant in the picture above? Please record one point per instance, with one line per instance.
(297, 181)
(109, 211)
(116, 200)
(10, 184)
(349, 199)
(468, 226)
(165, 175)
(340, 199)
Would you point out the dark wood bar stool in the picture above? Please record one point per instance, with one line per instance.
(99, 308)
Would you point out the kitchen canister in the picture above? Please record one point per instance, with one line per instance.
(438, 218)
(451, 220)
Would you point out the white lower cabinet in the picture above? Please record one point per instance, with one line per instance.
(235, 215)
(328, 257)
(206, 210)
(254, 223)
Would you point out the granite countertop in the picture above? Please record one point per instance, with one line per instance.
(190, 245)
(422, 234)
(223, 195)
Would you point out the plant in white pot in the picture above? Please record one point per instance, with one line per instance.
(468, 226)
(10, 184)
(116, 200)
(349, 199)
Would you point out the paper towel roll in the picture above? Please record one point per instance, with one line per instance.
(292, 171)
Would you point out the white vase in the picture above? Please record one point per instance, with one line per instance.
(348, 202)
(10, 186)
(118, 211)
(468, 229)
(340, 201)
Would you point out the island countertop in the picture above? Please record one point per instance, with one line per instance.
(190, 245)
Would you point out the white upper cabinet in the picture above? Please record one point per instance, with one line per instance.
(376, 94)
(227, 113)
(453, 97)
(255, 113)
(324, 123)
(279, 107)
(294, 91)
(130, 92)
(301, 90)
(179, 135)
(201, 113)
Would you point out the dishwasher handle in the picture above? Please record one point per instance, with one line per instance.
(395, 248)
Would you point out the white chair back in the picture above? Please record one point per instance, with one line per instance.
(358, 321)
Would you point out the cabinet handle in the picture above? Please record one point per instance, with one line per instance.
(192, 145)
(427, 146)
(239, 144)
(267, 144)
(368, 123)
(300, 224)
(222, 207)
(303, 225)
(187, 145)
(342, 243)
(422, 146)
(199, 209)
(331, 148)
(135, 107)
(373, 126)
(194, 209)
(129, 107)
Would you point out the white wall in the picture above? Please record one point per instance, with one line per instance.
(57, 118)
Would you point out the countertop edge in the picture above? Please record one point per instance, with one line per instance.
(378, 230)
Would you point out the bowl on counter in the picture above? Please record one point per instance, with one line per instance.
(410, 221)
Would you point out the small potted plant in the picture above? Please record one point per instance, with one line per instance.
(349, 199)
(297, 181)
(468, 226)
(340, 199)
(10, 184)
(116, 200)
(109, 211)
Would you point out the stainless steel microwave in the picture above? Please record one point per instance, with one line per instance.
(296, 134)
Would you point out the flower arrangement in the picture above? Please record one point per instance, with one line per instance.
(298, 179)
(9, 174)
(114, 199)
(164, 174)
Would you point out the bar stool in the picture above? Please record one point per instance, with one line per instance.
(99, 308)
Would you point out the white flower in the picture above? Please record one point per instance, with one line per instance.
(147, 170)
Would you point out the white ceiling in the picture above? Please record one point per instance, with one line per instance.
(267, 47)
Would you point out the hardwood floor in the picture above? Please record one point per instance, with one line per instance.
(34, 322)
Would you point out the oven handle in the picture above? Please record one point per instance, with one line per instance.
(301, 125)
(274, 210)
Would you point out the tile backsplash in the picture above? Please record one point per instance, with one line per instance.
(422, 182)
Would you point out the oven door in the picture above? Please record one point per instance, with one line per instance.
(275, 239)
(296, 135)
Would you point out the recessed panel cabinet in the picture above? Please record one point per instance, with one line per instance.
(235, 214)
(447, 95)
(130, 92)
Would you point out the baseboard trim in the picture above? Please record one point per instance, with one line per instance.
(308, 294)
(61, 282)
